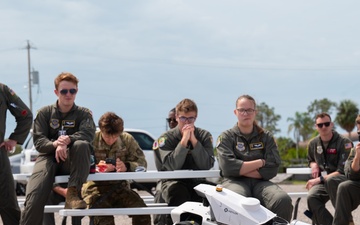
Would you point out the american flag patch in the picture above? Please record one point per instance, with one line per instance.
(348, 145)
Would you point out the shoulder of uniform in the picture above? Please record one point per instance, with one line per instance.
(84, 109)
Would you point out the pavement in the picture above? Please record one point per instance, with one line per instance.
(281, 180)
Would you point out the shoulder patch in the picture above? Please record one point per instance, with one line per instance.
(348, 146)
(218, 141)
(161, 142)
(155, 145)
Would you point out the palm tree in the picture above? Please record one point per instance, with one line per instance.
(302, 125)
(346, 115)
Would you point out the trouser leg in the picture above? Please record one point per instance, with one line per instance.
(9, 208)
(37, 191)
(348, 199)
(316, 200)
(79, 163)
(272, 197)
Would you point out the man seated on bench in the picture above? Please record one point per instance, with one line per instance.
(184, 147)
(348, 198)
(115, 151)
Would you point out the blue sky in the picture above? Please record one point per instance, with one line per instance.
(140, 58)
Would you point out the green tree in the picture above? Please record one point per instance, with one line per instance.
(302, 126)
(319, 106)
(346, 115)
(267, 118)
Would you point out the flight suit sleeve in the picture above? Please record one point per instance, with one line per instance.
(136, 155)
(311, 152)
(228, 163)
(349, 172)
(172, 153)
(203, 152)
(272, 159)
(41, 130)
(22, 114)
(345, 148)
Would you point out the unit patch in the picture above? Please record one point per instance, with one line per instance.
(240, 146)
(161, 142)
(257, 146)
(319, 149)
(54, 123)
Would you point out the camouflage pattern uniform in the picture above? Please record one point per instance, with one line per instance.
(80, 127)
(330, 159)
(171, 155)
(9, 208)
(348, 197)
(234, 149)
(118, 194)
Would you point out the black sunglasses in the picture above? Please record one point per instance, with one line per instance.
(171, 120)
(65, 91)
(320, 125)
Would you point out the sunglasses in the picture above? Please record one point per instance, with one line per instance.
(320, 125)
(65, 91)
(171, 120)
(189, 119)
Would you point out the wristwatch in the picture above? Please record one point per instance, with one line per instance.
(322, 180)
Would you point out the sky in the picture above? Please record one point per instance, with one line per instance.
(140, 58)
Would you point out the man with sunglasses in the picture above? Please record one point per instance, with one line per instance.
(171, 120)
(63, 135)
(327, 154)
(348, 197)
(185, 147)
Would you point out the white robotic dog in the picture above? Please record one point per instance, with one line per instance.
(223, 206)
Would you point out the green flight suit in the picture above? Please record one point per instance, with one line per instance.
(171, 155)
(9, 208)
(329, 159)
(80, 127)
(348, 197)
(234, 149)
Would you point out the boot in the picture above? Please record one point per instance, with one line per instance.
(72, 199)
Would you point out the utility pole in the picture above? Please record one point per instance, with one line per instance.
(28, 47)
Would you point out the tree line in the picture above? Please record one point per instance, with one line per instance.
(302, 125)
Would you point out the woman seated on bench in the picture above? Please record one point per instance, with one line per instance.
(115, 151)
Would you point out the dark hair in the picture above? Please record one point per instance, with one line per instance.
(110, 123)
(247, 97)
(172, 110)
(322, 115)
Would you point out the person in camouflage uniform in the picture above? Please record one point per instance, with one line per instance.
(184, 147)
(348, 197)
(115, 151)
(327, 154)
(9, 208)
(249, 158)
(63, 135)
